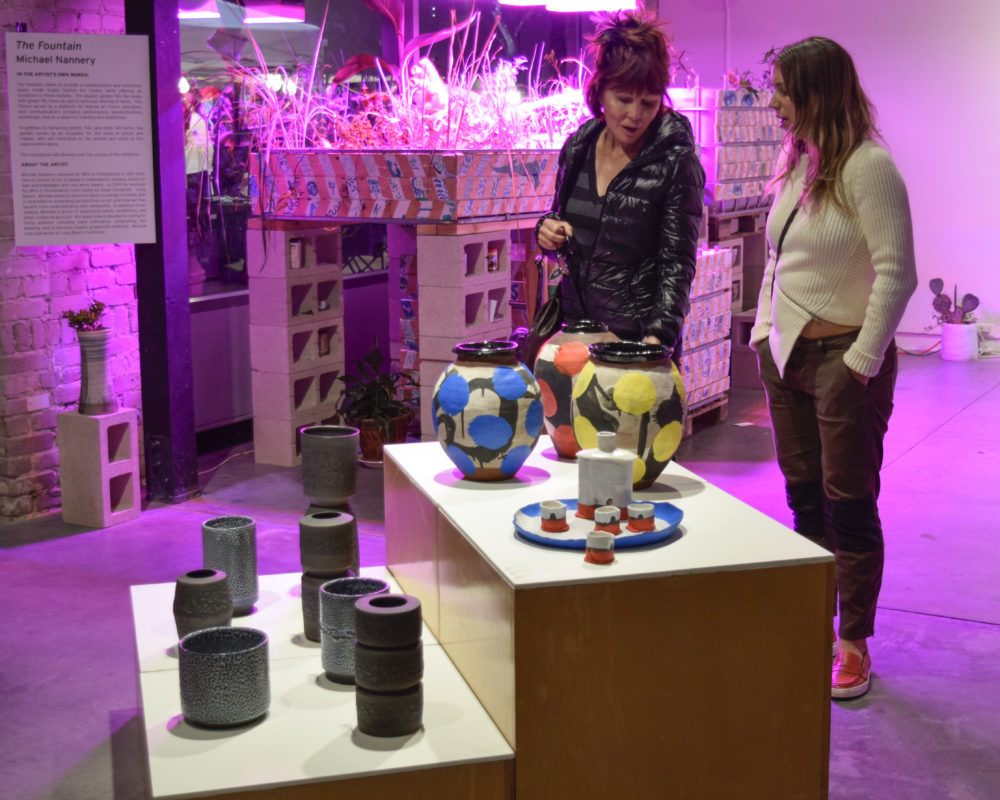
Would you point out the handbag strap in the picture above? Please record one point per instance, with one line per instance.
(777, 252)
(781, 238)
(565, 258)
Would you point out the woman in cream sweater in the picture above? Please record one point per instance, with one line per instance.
(838, 278)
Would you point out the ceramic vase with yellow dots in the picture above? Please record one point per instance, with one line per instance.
(636, 391)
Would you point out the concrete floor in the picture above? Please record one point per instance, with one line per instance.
(70, 724)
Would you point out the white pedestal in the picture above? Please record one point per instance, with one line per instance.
(308, 744)
(99, 467)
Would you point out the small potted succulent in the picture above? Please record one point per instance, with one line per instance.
(959, 332)
(96, 396)
(371, 402)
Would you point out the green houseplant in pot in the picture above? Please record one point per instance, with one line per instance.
(959, 332)
(371, 402)
(96, 395)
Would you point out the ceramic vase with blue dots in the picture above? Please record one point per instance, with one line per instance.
(487, 409)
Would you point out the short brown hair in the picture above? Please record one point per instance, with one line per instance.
(629, 52)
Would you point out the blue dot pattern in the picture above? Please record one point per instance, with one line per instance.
(490, 432)
(453, 395)
(514, 459)
(534, 418)
(508, 383)
(460, 459)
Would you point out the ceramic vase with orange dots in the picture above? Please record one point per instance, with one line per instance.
(635, 390)
(559, 361)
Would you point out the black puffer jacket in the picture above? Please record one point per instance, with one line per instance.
(639, 276)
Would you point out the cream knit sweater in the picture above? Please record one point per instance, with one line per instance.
(852, 267)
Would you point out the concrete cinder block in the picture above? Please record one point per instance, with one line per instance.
(455, 261)
(296, 298)
(466, 313)
(295, 348)
(276, 248)
(280, 396)
(276, 441)
(99, 467)
(430, 371)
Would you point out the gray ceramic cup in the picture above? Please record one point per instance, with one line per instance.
(337, 622)
(328, 543)
(229, 544)
(224, 676)
(202, 600)
(329, 463)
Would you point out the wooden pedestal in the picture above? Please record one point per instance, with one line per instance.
(644, 678)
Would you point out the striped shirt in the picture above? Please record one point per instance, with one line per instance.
(584, 207)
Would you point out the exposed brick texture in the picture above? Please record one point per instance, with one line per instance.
(39, 357)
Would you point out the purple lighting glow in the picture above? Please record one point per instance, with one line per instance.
(570, 6)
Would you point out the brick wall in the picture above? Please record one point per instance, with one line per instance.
(39, 356)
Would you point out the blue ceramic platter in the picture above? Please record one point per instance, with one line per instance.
(528, 523)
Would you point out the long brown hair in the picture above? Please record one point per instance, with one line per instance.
(832, 114)
(629, 51)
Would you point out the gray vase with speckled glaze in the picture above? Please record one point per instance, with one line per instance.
(329, 463)
(328, 543)
(230, 544)
(224, 676)
(202, 600)
(337, 622)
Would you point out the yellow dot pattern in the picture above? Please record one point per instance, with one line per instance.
(666, 442)
(583, 379)
(638, 470)
(634, 393)
(678, 383)
(586, 433)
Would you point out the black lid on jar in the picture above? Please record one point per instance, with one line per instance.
(628, 352)
(491, 347)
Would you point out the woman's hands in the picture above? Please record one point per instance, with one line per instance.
(553, 233)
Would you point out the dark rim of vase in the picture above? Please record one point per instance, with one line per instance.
(584, 326)
(203, 574)
(328, 431)
(353, 587)
(492, 347)
(390, 600)
(223, 641)
(628, 352)
(224, 523)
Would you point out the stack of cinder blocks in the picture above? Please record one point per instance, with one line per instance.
(99, 467)
(464, 295)
(296, 288)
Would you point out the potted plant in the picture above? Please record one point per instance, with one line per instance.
(371, 402)
(96, 395)
(959, 332)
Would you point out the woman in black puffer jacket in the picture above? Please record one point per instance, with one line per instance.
(628, 200)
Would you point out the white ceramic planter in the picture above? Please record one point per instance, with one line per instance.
(959, 342)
